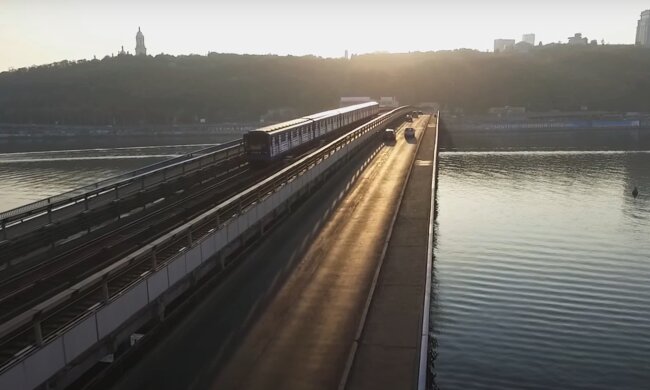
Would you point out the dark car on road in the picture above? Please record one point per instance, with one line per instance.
(389, 135)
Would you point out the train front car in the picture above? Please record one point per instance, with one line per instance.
(257, 146)
(263, 144)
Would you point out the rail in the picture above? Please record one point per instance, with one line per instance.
(76, 195)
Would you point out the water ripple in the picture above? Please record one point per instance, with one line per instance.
(542, 270)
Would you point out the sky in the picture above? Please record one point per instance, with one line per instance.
(34, 32)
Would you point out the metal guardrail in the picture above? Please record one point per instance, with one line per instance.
(75, 195)
(426, 307)
(218, 217)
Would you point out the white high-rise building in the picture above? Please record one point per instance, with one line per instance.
(528, 38)
(140, 49)
(643, 30)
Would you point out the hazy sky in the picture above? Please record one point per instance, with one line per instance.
(44, 31)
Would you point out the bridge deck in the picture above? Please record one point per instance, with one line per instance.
(302, 340)
(289, 315)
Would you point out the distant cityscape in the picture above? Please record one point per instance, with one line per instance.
(528, 40)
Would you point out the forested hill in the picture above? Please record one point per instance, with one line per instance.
(225, 87)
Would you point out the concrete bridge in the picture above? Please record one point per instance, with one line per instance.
(205, 272)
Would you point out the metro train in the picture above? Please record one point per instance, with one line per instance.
(273, 142)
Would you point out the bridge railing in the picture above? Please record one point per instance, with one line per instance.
(425, 352)
(15, 216)
(168, 259)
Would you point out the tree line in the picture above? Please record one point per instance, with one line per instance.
(164, 89)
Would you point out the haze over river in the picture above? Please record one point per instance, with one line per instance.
(542, 271)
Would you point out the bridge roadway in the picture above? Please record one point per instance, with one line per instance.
(303, 295)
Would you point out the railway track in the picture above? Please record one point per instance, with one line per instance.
(21, 293)
(95, 238)
(62, 271)
(35, 285)
(55, 235)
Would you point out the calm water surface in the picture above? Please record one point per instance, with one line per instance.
(30, 176)
(542, 271)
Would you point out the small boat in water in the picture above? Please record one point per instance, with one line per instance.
(635, 192)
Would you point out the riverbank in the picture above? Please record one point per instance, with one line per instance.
(455, 137)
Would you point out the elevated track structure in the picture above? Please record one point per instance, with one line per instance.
(61, 314)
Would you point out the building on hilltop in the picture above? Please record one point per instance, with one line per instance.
(528, 38)
(501, 45)
(140, 49)
(577, 39)
(643, 30)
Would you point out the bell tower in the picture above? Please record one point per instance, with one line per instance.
(140, 49)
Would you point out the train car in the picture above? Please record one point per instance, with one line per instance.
(275, 141)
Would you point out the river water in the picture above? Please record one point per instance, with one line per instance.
(31, 176)
(542, 271)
